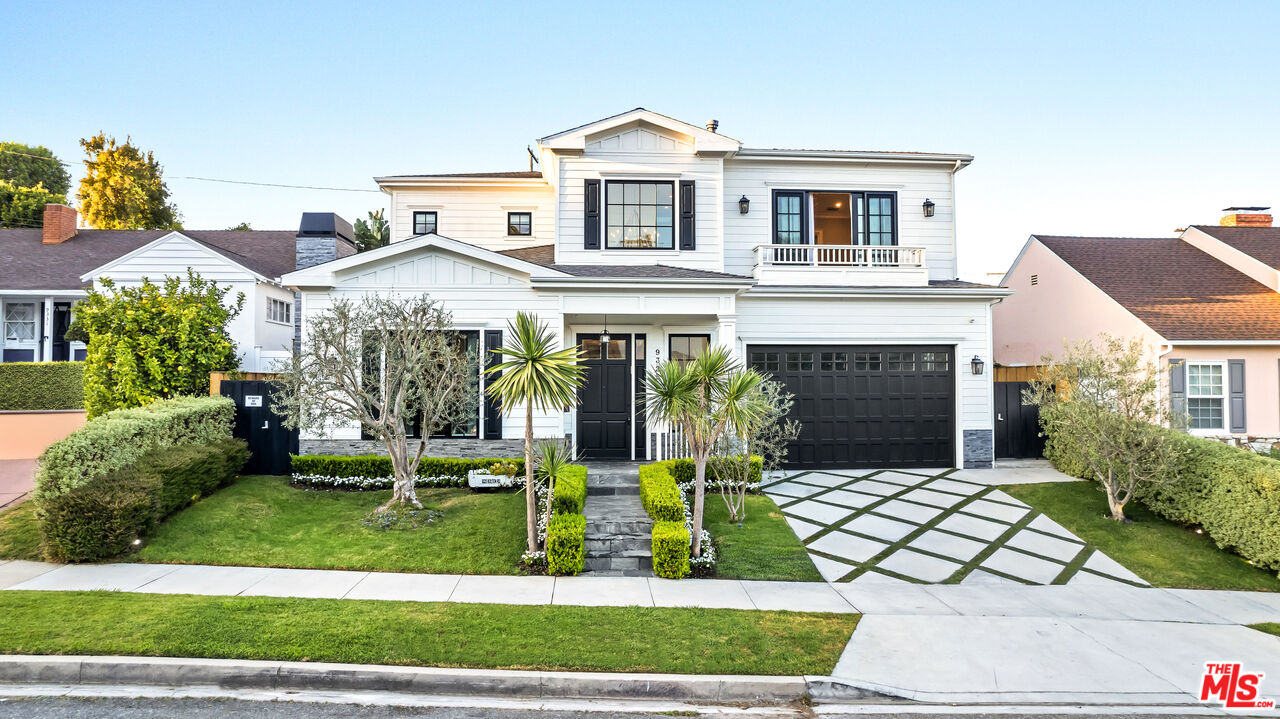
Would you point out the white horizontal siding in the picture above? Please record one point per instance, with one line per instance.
(758, 179)
(962, 323)
(476, 215)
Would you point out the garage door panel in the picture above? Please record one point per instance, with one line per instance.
(878, 406)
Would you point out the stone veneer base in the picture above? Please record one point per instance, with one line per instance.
(979, 448)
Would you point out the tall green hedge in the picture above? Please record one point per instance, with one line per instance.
(1234, 494)
(41, 385)
(120, 438)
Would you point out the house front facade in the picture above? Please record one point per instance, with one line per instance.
(1205, 304)
(644, 239)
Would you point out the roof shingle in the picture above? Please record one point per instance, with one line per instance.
(545, 255)
(1260, 243)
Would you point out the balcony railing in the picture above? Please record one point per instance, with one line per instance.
(839, 256)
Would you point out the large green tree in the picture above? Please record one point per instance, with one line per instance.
(374, 233)
(123, 188)
(24, 206)
(31, 165)
(153, 341)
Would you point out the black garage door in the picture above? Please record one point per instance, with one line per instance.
(864, 406)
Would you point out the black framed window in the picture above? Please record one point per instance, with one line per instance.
(834, 217)
(880, 220)
(683, 349)
(424, 222)
(519, 224)
(788, 218)
(639, 215)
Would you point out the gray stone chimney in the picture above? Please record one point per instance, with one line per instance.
(323, 237)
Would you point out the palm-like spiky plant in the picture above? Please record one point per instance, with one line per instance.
(534, 375)
(704, 398)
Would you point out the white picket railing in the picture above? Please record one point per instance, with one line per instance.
(840, 256)
(668, 443)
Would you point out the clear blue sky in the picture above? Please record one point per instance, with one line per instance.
(1084, 118)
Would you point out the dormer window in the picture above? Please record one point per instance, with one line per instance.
(424, 222)
(639, 215)
(821, 217)
(519, 224)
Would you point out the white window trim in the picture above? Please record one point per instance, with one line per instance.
(35, 325)
(1226, 405)
(271, 305)
(532, 231)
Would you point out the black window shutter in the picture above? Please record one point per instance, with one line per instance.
(687, 198)
(1178, 390)
(1235, 385)
(591, 214)
(492, 412)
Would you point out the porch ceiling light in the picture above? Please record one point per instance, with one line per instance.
(744, 204)
(976, 364)
(604, 337)
(928, 207)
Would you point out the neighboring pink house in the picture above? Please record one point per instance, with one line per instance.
(1207, 303)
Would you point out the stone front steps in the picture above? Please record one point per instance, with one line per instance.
(618, 530)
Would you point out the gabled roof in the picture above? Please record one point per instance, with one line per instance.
(28, 264)
(520, 177)
(1177, 290)
(1260, 243)
(703, 139)
(545, 255)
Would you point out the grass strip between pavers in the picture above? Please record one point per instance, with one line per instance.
(495, 636)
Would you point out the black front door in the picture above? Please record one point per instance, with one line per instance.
(1017, 424)
(604, 401)
(61, 323)
(270, 443)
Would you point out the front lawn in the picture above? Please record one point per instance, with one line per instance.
(20, 533)
(764, 547)
(1268, 627)
(1163, 553)
(263, 521)
(622, 639)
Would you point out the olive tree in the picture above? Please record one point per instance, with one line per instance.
(1102, 401)
(383, 363)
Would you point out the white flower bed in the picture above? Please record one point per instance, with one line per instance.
(369, 483)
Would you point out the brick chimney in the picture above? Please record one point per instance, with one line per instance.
(59, 224)
(1246, 217)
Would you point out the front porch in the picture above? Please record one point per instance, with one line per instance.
(35, 325)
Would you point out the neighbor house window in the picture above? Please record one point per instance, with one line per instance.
(424, 222)
(519, 224)
(684, 349)
(826, 217)
(640, 215)
(280, 311)
(1206, 401)
(20, 321)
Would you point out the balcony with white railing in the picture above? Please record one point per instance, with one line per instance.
(862, 265)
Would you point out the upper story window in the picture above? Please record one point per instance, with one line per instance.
(519, 224)
(20, 321)
(424, 222)
(813, 217)
(280, 311)
(1206, 396)
(639, 215)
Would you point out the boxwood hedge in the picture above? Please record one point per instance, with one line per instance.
(41, 385)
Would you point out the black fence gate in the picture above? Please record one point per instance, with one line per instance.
(269, 441)
(1017, 424)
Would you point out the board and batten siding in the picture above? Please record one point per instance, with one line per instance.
(479, 295)
(669, 160)
(477, 215)
(756, 180)
(962, 323)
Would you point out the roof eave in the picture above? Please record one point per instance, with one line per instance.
(757, 153)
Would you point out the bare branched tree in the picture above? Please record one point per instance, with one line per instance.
(386, 364)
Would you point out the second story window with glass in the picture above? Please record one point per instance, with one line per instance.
(639, 215)
(821, 217)
(424, 222)
(519, 224)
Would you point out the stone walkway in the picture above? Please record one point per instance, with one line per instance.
(619, 541)
(933, 526)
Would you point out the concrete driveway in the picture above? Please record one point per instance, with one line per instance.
(935, 526)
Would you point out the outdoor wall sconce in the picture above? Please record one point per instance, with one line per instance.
(976, 364)
(744, 204)
(928, 208)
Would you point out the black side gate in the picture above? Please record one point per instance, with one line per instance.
(270, 443)
(1017, 424)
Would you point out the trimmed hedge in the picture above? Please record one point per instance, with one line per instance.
(671, 548)
(684, 470)
(659, 494)
(571, 490)
(120, 438)
(566, 543)
(1232, 493)
(102, 517)
(320, 465)
(41, 385)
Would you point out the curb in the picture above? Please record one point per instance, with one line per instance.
(237, 674)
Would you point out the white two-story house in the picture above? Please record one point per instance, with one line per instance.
(644, 239)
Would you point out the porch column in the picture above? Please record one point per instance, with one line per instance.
(46, 340)
(727, 333)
